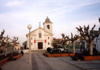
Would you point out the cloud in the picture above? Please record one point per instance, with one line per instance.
(71, 28)
(14, 3)
(31, 12)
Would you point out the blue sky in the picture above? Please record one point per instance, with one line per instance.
(15, 15)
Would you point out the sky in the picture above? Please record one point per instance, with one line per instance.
(66, 15)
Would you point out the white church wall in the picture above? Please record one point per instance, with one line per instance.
(45, 33)
(32, 44)
(48, 41)
(42, 39)
(27, 42)
(45, 27)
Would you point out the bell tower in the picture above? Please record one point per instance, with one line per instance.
(48, 25)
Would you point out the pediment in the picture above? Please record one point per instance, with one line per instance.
(34, 32)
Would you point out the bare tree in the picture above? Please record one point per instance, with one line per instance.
(15, 39)
(73, 39)
(6, 44)
(87, 35)
(2, 38)
(4, 41)
(55, 42)
(2, 33)
(64, 41)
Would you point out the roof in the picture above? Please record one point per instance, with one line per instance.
(47, 20)
(16, 43)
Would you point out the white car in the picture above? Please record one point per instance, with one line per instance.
(62, 49)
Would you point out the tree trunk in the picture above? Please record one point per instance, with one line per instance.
(5, 51)
(73, 46)
(91, 48)
(64, 48)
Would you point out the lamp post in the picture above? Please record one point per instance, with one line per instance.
(29, 27)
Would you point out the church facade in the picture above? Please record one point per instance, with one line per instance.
(41, 38)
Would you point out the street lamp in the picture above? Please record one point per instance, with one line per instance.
(29, 27)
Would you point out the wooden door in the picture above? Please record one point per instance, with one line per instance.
(40, 45)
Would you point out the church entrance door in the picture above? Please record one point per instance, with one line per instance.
(40, 45)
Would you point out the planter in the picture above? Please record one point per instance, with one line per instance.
(4, 61)
(18, 56)
(7, 59)
(59, 55)
(71, 54)
(86, 58)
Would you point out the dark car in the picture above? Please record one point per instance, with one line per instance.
(53, 50)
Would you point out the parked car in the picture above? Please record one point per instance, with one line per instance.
(53, 50)
(57, 49)
(62, 49)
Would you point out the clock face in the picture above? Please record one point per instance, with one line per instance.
(48, 26)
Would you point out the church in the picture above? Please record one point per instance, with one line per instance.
(41, 38)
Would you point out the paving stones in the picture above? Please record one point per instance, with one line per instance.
(85, 65)
(20, 64)
(52, 63)
(40, 62)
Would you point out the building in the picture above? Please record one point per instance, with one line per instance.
(41, 38)
(17, 46)
(97, 39)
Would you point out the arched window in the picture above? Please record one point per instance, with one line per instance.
(40, 35)
(48, 37)
(48, 26)
(48, 43)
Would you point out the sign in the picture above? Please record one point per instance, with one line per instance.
(34, 41)
(45, 41)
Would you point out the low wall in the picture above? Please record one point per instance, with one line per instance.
(18, 56)
(59, 55)
(4, 61)
(91, 58)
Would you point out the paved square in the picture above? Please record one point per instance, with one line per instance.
(40, 62)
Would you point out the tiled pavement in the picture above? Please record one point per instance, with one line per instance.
(20, 64)
(40, 62)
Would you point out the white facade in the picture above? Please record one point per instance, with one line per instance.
(97, 42)
(41, 38)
